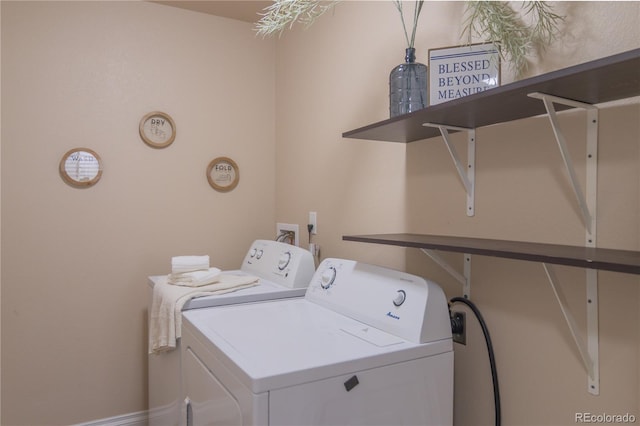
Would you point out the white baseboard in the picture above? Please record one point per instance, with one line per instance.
(141, 418)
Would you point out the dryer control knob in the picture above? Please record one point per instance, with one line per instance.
(253, 252)
(285, 258)
(328, 277)
(400, 298)
(260, 253)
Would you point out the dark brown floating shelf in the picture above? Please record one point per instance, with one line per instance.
(585, 257)
(603, 80)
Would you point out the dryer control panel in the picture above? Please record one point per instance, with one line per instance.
(396, 302)
(287, 265)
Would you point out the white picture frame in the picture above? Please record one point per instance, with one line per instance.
(459, 71)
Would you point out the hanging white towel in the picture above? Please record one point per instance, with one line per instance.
(165, 318)
(181, 264)
(195, 278)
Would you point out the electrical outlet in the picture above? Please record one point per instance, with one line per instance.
(313, 220)
(288, 233)
(459, 327)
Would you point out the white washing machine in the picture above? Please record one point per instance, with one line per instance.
(284, 271)
(365, 346)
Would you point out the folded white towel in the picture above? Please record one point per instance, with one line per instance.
(195, 278)
(165, 318)
(180, 264)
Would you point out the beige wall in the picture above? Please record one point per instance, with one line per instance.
(75, 261)
(333, 77)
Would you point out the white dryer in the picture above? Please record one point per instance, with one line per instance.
(365, 346)
(284, 272)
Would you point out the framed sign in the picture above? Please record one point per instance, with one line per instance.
(81, 167)
(157, 129)
(459, 71)
(223, 174)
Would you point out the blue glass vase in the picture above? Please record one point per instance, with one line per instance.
(407, 86)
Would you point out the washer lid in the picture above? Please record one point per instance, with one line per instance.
(281, 343)
(265, 290)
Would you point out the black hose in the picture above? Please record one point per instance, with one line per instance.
(492, 358)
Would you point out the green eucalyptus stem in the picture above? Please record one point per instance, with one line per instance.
(404, 27)
(546, 22)
(498, 23)
(416, 14)
(282, 14)
(494, 20)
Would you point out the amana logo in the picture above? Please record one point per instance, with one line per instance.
(389, 314)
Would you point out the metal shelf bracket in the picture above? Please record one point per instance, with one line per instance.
(589, 350)
(464, 278)
(467, 174)
(588, 216)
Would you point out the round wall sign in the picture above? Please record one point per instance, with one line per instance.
(157, 129)
(223, 174)
(80, 167)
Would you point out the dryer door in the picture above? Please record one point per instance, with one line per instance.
(209, 402)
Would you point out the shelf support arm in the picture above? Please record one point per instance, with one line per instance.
(464, 279)
(589, 350)
(467, 174)
(548, 101)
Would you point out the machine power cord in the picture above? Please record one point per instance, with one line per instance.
(492, 358)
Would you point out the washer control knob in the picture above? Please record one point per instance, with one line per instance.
(284, 260)
(400, 298)
(253, 252)
(260, 253)
(328, 277)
